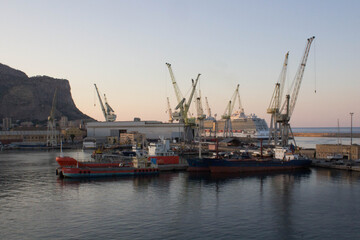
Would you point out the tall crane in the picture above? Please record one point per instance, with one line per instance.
(274, 107)
(109, 114)
(169, 111)
(288, 107)
(178, 94)
(184, 108)
(51, 138)
(227, 113)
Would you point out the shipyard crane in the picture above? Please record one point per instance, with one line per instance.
(288, 107)
(169, 111)
(184, 108)
(178, 94)
(51, 138)
(109, 114)
(200, 116)
(274, 107)
(227, 113)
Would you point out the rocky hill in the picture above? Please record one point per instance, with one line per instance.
(24, 98)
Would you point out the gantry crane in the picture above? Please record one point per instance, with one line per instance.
(274, 107)
(288, 107)
(109, 114)
(227, 113)
(51, 138)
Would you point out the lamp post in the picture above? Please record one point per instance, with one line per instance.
(351, 116)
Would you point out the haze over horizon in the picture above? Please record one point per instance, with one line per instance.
(123, 46)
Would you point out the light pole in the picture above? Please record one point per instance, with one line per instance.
(351, 116)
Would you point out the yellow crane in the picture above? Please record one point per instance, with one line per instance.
(227, 113)
(288, 106)
(274, 107)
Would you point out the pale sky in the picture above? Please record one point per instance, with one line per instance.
(123, 46)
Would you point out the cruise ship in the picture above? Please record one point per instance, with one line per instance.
(244, 126)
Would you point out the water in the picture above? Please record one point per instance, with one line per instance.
(326, 130)
(306, 204)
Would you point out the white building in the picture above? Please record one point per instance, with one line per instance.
(152, 129)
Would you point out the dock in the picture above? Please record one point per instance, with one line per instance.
(344, 165)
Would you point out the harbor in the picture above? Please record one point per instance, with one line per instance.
(176, 120)
(33, 200)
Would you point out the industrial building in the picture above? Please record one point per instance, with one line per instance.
(151, 129)
(346, 151)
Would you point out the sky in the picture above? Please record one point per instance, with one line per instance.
(123, 46)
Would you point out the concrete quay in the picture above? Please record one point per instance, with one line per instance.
(341, 165)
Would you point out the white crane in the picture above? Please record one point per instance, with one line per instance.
(227, 113)
(290, 101)
(51, 138)
(274, 107)
(109, 114)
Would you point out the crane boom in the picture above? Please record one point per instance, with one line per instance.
(169, 111)
(208, 107)
(187, 105)
(101, 103)
(230, 106)
(279, 88)
(178, 94)
(299, 76)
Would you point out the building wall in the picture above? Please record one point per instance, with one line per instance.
(7, 137)
(151, 129)
(324, 150)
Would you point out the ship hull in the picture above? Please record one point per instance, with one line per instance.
(231, 166)
(198, 164)
(105, 172)
(164, 160)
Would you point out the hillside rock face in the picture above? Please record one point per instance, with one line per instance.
(24, 98)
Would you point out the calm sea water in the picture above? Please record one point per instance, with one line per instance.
(327, 130)
(306, 204)
(310, 142)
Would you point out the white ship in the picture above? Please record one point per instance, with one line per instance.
(244, 126)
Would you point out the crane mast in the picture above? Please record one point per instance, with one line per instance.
(289, 105)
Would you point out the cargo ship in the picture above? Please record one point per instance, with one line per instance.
(284, 159)
(72, 168)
